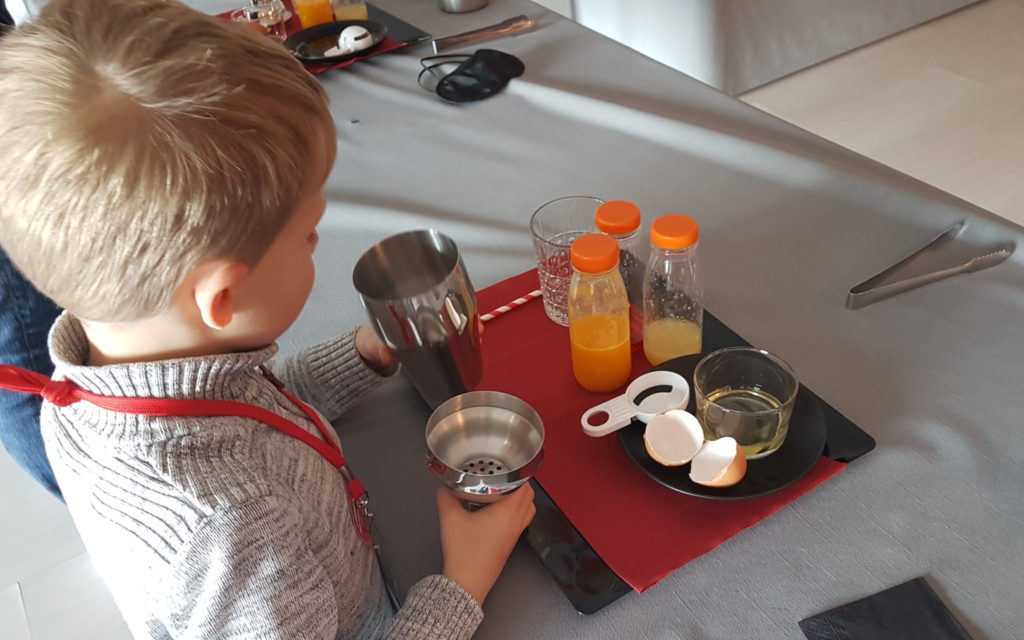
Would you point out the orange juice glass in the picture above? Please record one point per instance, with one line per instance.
(598, 315)
(314, 12)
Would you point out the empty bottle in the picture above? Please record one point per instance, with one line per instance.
(621, 220)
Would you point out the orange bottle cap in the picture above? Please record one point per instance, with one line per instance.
(617, 217)
(594, 253)
(674, 231)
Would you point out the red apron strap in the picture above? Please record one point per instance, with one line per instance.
(58, 392)
(65, 392)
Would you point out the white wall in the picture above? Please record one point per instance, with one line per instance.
(563, 7)
(679, 34)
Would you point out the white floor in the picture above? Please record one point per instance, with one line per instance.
(942, 102)
(48, 588)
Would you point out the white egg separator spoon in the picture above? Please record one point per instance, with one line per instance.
(650, 394)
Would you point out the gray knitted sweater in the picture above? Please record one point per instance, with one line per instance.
(222, 527)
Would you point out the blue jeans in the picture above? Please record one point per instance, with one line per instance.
(25, 319)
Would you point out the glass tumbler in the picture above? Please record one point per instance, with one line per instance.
(249, 17)
(272, 16)
(747, 394)
(555, 226)
(266, 17)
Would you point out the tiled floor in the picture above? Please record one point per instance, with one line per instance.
(942, 102)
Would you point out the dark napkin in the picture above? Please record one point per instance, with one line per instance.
(482, 75)
(910, 611)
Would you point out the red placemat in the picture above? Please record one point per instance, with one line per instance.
(293, 25)
(642, 530)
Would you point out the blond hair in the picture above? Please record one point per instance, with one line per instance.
(139, 138)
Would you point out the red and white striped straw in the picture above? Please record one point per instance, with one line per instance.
(510, 306)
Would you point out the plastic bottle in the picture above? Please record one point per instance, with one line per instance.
(673, 294)
(621, 220)
(598, 315)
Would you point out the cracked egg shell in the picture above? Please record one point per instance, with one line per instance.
(719, 463)
(673, 438)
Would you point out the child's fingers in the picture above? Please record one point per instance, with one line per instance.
(524, 507)
(527, 497)
(518, 501)
(446, 501)
(524, 493)
(526, 520)
(529, 510)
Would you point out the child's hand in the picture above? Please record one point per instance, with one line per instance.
(477, 544)
(373, 350)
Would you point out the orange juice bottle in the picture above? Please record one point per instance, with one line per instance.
(598, 315)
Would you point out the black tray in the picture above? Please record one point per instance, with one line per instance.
(588, 583)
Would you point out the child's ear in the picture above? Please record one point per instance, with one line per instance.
(214, 291)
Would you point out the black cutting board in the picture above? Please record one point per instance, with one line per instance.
(398, 30)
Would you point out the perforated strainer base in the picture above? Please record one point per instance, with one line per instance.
(484, 465)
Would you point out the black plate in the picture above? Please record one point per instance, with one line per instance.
(790, 462)
(309, 44)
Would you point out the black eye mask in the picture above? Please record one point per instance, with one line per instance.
(475, 77)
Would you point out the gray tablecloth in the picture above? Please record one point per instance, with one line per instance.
(789, 223)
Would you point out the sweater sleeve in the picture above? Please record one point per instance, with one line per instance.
(330, 376)
(248, 573)
(437, 608)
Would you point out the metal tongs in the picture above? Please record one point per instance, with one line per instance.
(933, 262)
(503, 28)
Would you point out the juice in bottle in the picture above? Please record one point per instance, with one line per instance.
(314, 12)
(601, 358)
(667, 338)
(598, 315)
(673, 295)
(350, 10)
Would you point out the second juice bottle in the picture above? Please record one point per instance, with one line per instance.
(673, 296)
(598, 315)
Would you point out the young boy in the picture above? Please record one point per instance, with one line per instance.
(162, 174)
